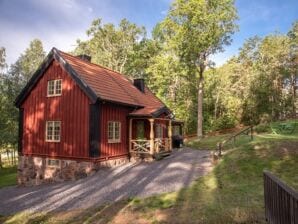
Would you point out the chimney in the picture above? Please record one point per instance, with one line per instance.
(85, 57)
(140, 84)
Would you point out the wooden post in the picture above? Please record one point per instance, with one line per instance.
(130, 135)
(151, 136)
(219, 148)
(251, 135)
(170, 135)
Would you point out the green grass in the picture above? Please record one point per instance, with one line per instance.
(231, 193)
(8, 176)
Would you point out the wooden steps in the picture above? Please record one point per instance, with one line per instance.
(162, 154)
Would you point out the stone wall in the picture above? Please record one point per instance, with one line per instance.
(35, 170)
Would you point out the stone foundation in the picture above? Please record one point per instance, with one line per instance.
(36, 170)
(137, 157)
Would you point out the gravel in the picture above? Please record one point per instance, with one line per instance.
(109, 185)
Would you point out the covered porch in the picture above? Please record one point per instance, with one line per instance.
(150, 137)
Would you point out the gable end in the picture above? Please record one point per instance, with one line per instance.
(54, 55)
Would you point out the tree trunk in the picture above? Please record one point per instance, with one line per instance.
(294, 95)
(200, 106)
(0, 161)
(215, 106)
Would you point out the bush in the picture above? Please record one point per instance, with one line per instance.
(224, 122)
(262, 128)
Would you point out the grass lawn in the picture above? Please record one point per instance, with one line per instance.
(231, 193)
(8, 176)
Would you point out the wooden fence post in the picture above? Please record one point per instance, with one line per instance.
(251, 133)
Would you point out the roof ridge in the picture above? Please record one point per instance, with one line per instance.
(105, 68)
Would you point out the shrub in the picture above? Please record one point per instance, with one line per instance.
(262, 128)
(224, 122)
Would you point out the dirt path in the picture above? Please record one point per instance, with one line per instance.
(108, 185)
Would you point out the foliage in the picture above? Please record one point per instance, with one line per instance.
(113, 46)
(194, 30)
(11, 84)
(223, 122)
(257, 85)
(262, 128)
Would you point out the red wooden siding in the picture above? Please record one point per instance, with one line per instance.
(119, 113)
(72, 109)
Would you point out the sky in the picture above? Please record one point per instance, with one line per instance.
(59, 23)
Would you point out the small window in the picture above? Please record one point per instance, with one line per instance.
(53, 129)
(158, 131)
(55, 87)
(114, 128)
(53, 163)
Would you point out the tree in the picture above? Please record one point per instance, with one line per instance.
(111, 46)
(11, 84)
(293, 65)
(31, 58)
(197, 29)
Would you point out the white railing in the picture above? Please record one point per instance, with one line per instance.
(140, 146)
(143, 146)
(161, 144)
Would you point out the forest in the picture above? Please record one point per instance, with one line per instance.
(257, 85)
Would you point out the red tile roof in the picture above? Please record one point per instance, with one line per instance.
(112, 86)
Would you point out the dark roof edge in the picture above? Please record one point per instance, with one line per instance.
(122, 104)
(54, 54)
(160, 111)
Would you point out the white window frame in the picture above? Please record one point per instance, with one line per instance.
(56, 89)
(48, 160)
(112, 125)
(52, 135)
(159, 131)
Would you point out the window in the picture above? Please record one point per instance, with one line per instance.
(53, 129)
(176, 130)
(53, 163)
(55, 87)
(159, 131)
(140, 130)
(114, 128)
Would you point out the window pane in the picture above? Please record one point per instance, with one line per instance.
(49, 130)
(51, 87)
(117, 130)
(57, 131)
(159, 131)
(58, 87)
(110, 130)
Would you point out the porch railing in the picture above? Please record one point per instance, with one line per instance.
(143, 146)
(140, 146)
(161, 144)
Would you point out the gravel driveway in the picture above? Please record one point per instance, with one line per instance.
(108, 185)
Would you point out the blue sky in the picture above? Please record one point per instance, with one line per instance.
(60, 22)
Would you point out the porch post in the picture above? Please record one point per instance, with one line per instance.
(170, 134)
(151, 136)
(130, 134)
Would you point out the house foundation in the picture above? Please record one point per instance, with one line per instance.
(34, 170)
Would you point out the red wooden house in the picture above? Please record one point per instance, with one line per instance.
(76, 116)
